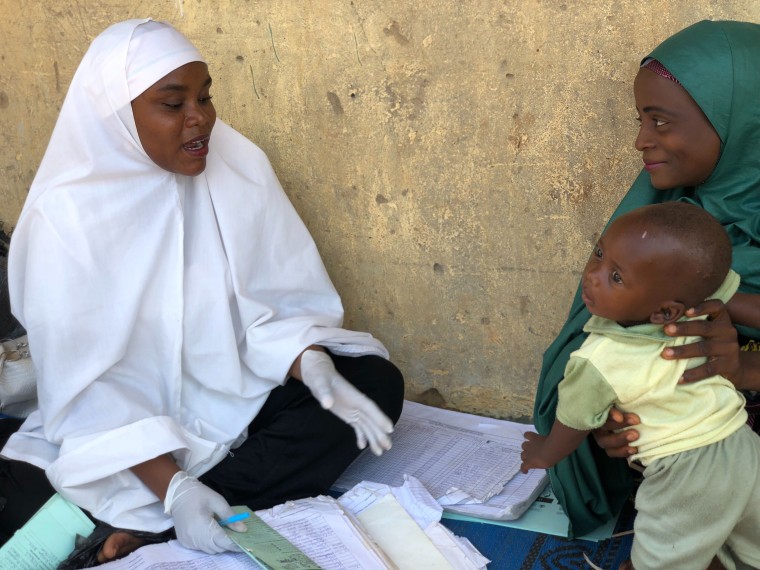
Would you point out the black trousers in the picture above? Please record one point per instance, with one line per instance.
(294, 449)
(24, 488)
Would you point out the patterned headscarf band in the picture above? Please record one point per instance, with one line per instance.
(654, 65)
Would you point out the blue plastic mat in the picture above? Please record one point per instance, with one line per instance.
(515, 549)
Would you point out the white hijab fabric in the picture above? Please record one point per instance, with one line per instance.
(161, 309)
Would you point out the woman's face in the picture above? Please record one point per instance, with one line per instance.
(174, 118)
(678, 144)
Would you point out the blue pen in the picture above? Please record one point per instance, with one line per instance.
(234, 518)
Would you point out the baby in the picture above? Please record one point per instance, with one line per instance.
(701, 490)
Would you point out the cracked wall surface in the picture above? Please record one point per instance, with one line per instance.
(454, 161)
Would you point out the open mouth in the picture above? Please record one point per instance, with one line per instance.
(196, 144)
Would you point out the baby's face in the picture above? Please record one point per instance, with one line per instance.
(629, 274)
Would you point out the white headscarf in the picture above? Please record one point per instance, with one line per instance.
(161, 309)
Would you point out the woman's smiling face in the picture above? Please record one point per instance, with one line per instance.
(679, 146)
(174, 118)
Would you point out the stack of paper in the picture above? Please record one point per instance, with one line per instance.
(469, 463)
(406, 523)
(267, 547)
(325, 532)
(372, 527)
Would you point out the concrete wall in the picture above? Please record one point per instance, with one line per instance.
(454, 160)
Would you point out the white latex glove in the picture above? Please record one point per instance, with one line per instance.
(193, 506)
(336, 394)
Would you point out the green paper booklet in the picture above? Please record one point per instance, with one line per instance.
(267, 547)
(47, 538)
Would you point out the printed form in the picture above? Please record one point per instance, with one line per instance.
(341, 534)
(469, 463)
(322, 529)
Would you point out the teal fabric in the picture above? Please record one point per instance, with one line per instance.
(718, 63)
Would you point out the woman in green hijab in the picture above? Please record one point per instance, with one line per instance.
(698, 96)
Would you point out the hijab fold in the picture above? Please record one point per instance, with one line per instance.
(718, 63)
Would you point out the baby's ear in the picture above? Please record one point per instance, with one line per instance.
(669, 312)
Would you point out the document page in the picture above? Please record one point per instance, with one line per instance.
(466, 461)
(406, 522)
(322, 529)
(329, 533)
(268, 547)
(401, 537)
(173, 556)
(47, 538)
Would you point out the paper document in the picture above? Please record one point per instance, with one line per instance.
(406, 523)
(341, 534)
(546, 516)
(173, 556)
(325, 532)
(469, 463)
(267, 547)
(47, 538)
(400, 537)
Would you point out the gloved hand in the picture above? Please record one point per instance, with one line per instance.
(336, 394)
(193, 506)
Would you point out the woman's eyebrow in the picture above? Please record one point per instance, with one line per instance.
(655, 109)
(180, 87)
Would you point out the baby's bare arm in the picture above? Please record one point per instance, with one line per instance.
(542, 452)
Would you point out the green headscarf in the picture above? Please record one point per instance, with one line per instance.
(718, 63)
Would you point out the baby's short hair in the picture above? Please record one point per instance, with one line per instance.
(705, 246)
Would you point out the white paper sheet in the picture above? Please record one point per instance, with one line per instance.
(423, 510)
(327, 531)
(469, 463)
(171, 555)
(323, 531)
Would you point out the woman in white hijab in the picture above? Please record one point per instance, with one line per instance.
(173, 300)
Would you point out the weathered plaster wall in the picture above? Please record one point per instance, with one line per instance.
(453, 159)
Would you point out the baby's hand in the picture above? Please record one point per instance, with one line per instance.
(532, 452)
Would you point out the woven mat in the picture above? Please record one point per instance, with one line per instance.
(514, 549)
